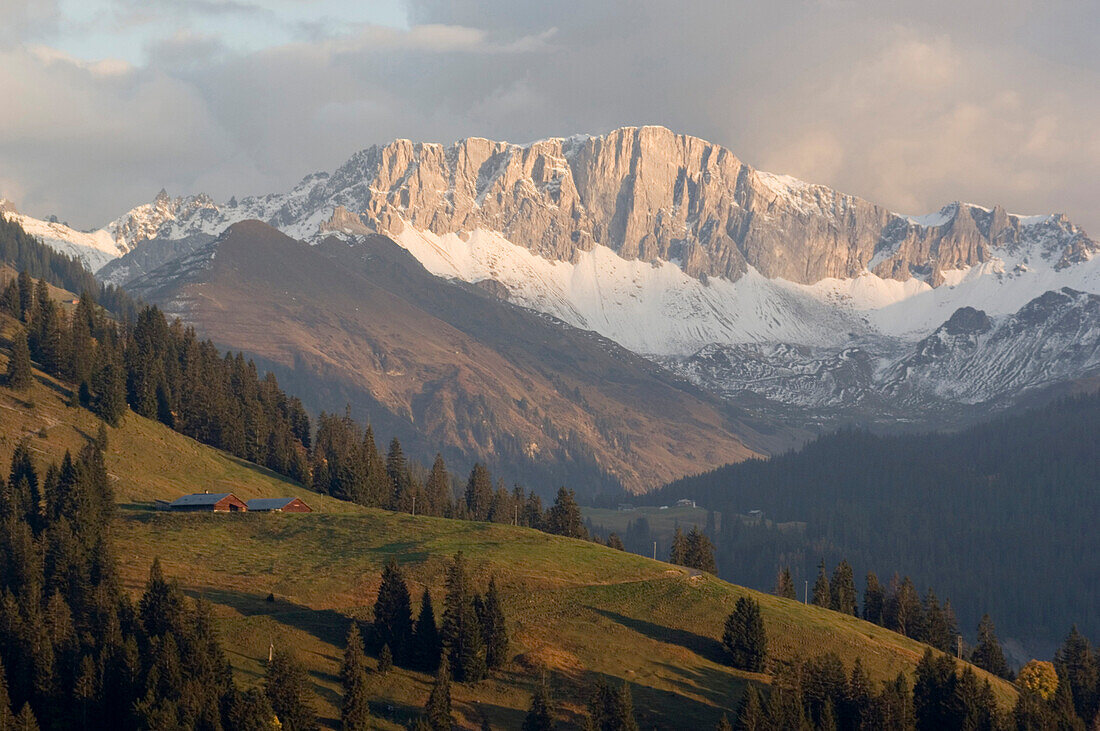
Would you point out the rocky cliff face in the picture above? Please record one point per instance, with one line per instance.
(648, 193)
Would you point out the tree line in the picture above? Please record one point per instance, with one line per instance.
(996, 505)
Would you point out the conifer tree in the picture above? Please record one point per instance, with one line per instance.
(252, 711)
(894, 706)
(564, 516)
(427, 644)
(397, 468)
(438, 488)
(750, 710)
(25, 721)
(288, 688)
(461, 631)
(1077, 666)
(479, 493)
(699, 552)
(677, 552)
(438, 710)
(934, 693)
(784, 584)
(109, 390)
(393, 613)
(7, 718)
(744, 639)
(540, 715)
(19, 375)
(493, 628)
(988, 654)
(385, 660)
(355, 707)
(821, 595)
(623, 718)
(856, 710)
(873, 599)
(613, 541)
(724, 724)
(842, 590)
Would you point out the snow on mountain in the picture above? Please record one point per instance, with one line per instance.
(94, 248)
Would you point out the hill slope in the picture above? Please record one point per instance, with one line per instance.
(576, 609)
(438, 363)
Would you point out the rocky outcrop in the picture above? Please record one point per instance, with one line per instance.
(648, 193)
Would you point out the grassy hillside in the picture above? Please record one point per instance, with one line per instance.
(576, 610)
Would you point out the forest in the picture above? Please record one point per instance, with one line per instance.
(998, 516)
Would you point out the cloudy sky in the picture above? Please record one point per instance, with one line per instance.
(910, 104)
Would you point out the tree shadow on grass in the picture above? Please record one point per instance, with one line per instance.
(326, 625)
(706, 647)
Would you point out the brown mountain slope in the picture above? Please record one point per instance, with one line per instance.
(442, 364)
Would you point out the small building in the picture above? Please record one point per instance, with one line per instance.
(208, 502)
(755, 516)
(278, 505)
(685, 503)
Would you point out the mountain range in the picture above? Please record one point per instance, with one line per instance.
(799, 305)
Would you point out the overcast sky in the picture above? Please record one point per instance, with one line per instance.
(908, 104)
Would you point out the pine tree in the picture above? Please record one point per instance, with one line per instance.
(540, 716)
(744, 639)
(784, 584)
(461, 631)
(724, 724)
(438, 710)
(677, 552)
(438, 488)
(940, 629)
(988, 654)
(19, 375)
(109, 391)
(7, 718)
(493, 628)
(1077, 666)
(397, 468)
(821, 597)
(385, 660)
(25, 721)
(623, 715)
(873, 599)
(699, 552)
(288, 688)
(564, 516)
(750, 710)
(934, 693)
(393, 613)
(426, 643)
(251, 711)
(894, 706)
(355, 708)
(613, 541)
(842, 590)
(479, 493)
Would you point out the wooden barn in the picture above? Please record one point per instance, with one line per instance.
(209, 502)
(278, 505)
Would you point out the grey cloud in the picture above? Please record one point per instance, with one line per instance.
(911, 105)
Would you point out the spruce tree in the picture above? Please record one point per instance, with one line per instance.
(857, 708)
(988, 654)
(613, 541)
(873, 599)
(1077, 666)
(7, 718)
(438, 488)
(677, 552)
(355, 707)
(25, 721)
(724, 724)
(19, 375)
(744, 639)
(251, 711)
(623, 713)
(493, 628)
(784, 584)
(842, 590)
(564, 516)
(426, 643)
(750, 710)
(540, 715)
(438, 710)
(109, 390)
(699, 552)
(393, 613)
(821, 595)
(479, 493)
(461, 631)
(288, 688)
(385, 660)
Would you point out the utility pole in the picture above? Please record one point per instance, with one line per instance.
(414, 504)
(515, 518)
(806, 593)
(959, 640)
(654, 550)
(270, 653)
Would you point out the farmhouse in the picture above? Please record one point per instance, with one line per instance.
(278, 505)
(210, 502)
